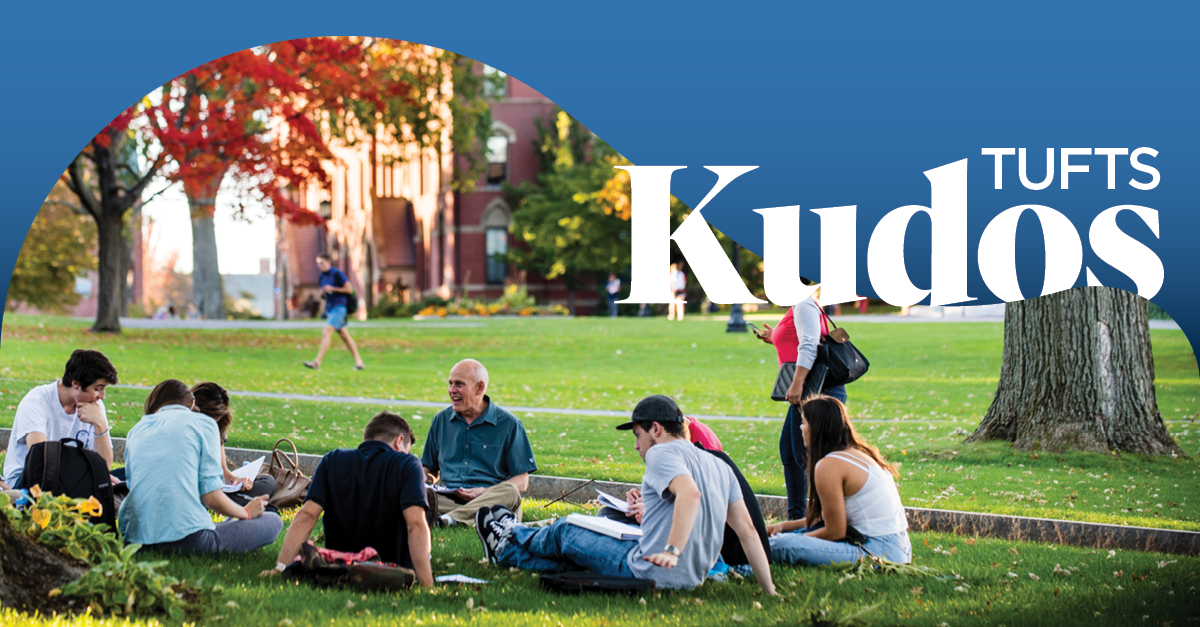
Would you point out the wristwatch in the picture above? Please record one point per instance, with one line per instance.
(280, 566)
(672, 550)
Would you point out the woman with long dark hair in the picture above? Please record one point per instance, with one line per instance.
(213, 401)
(853, 504)
(173, 459)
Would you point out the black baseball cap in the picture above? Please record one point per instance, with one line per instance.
(657, 408)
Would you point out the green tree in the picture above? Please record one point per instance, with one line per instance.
(60, 246)
(573, 222)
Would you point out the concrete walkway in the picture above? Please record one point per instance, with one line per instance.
(462, 322)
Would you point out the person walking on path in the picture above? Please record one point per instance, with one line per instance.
(334, 286)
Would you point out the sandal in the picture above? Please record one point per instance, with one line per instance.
(312, 364)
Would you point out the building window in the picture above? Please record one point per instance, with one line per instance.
(497, 156)
(497, 247)
(495, 83)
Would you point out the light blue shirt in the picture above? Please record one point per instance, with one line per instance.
(172, 458)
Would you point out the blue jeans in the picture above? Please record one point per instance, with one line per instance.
(797, 548)
(795, 457)
(563, 546)
(612, 305)
(232, 536)
(336, 317)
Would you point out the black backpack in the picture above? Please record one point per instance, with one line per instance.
(72, 471)
(574, 583)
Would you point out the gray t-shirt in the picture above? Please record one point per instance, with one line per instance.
(718, 489)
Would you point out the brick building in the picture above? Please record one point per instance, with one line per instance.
(394, 224)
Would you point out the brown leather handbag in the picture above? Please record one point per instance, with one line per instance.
(291, 485)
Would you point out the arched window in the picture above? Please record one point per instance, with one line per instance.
(495, 229)
(498, 145)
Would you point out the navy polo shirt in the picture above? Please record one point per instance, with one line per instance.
(364, 493)
(336, 278)
(493, 448)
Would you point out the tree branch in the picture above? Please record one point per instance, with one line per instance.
(77, 186)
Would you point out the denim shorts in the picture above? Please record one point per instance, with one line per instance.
(336, 317)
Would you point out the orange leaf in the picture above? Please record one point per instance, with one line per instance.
(41, 517)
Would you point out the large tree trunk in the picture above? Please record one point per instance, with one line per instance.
(207, 292)
(108, 296)
(28, 572)
(1078, 374)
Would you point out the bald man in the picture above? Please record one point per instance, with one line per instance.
(477, 449)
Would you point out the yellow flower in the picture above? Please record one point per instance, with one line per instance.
(90, 507)
(41, 517)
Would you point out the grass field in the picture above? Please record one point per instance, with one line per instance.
(928, 386)
(985, 582)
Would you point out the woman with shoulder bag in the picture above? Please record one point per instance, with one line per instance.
(853, 494)
(796, 339)
(213, 401)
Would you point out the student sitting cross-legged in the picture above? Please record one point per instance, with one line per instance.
(851, 490)
(372, 496)
(172, 456)
(687, 497)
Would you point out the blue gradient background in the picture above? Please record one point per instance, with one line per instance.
(839, 106)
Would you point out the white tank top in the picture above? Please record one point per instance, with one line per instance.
(874, 510)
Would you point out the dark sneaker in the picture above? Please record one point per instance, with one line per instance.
(494, 527)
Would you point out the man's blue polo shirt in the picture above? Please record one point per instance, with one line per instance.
(364, 493)
(493, 448)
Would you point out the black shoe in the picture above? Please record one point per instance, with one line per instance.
(494, 527)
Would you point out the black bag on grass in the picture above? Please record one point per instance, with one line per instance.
(73, 471)
(366, 576)
(574, 583)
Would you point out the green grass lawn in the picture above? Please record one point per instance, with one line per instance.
(929, 385)
(986, 582)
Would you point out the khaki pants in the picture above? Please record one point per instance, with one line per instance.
(504, 493)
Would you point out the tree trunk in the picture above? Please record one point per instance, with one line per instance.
(108, 296)
(207, 292)
(126, 262)
(28, 572)
(1078, 374)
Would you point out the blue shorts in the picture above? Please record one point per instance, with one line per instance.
(336, 317)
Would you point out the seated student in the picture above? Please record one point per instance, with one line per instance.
(213, 401)
(173, 458)
(731, 548)
(688, 496)
(699, 433)
(72, 407)
(850, 486)
(372, 496)
(476, 447)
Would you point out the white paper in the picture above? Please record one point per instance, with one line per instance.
(250, 470)
(441, 489)
(612, 501)
(457, 579)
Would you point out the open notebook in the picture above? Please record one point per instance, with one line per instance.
(610, 528)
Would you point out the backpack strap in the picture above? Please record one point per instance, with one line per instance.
(51, 458)
(104, 488)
